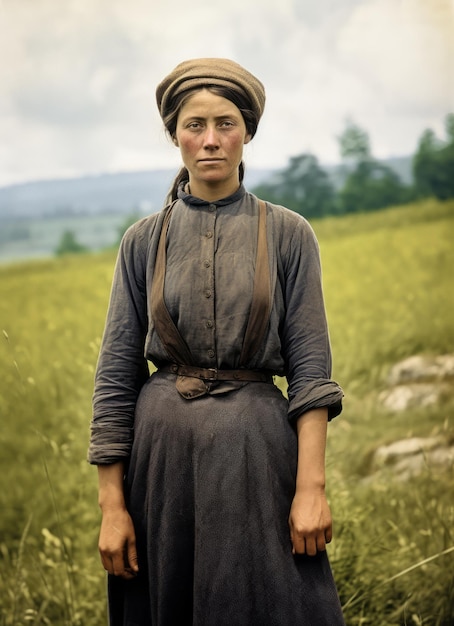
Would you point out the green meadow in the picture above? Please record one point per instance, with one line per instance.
(388, 279)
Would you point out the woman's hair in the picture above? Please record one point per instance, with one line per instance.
(251, 120)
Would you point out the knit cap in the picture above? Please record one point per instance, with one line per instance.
(204, 72)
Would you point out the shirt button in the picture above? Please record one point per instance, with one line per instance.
(209, 324)
(212, 208)
(209, 234)
(207, 293)
(207, 263)
(211, 353)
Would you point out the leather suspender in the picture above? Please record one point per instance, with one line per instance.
(261, 295)
(165, 327)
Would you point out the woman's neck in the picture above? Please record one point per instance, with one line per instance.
(212, 192)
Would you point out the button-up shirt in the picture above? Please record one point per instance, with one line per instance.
(211, 252)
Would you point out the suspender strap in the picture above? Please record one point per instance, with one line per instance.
(260, 306)
(261, 295)
(166, 329)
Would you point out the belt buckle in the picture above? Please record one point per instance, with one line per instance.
(212, 373)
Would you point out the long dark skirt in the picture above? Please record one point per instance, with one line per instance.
(209, 487)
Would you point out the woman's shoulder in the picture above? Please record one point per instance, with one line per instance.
(142, 226)
(138, 239)
(142, 230)
(287, 222)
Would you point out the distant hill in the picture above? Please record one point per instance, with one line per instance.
(112, 193)
(123, 193)
(107, 193)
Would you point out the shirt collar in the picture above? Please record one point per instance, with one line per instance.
(193, 200)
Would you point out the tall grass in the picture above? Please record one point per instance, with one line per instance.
(388, 287)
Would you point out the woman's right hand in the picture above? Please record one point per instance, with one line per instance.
(117, 543)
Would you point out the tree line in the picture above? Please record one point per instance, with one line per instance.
(367, 184)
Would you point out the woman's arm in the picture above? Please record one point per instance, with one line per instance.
(117, 540)
(314, 398)
(310, 516)
(305, 338)
(122, 368)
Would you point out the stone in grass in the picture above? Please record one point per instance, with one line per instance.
(384, 455)
(422, 368)
(412, 396)
(409, 457)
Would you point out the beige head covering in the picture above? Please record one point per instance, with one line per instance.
(203, 72)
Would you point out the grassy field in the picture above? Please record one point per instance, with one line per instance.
(389, 290)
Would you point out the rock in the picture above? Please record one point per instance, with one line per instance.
(406, 447)
(412, 466)
(405, 397)
(409, 457)
(418, 382)
(422, 368)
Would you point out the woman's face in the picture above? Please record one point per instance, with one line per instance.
(210, 134)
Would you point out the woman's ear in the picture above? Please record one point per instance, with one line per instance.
(247, 139)
(175, 141)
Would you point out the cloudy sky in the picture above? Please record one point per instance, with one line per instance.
(77, 77)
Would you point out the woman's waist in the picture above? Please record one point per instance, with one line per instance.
(212, 374)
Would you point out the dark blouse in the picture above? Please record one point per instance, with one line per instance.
(211, 251)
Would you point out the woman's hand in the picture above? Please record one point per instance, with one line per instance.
(310, 516)
(310, 522)
(117, 543)
(117, 539)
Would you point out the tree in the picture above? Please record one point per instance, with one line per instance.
(371, 186)
(433, 163)
(424, 163)
(354, 144)
(69, 244)
(449, 128)
(302, 186)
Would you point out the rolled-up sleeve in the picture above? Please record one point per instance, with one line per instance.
(122, 368)
(305, 339)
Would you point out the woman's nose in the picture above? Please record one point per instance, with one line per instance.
(210, 139)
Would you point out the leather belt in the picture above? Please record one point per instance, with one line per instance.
(212, 374)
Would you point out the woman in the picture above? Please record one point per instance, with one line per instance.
(211, 482)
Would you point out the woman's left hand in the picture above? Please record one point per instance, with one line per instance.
(310, 522)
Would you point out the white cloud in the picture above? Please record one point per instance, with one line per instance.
(77, 78)
(405, 48)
